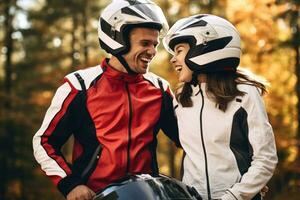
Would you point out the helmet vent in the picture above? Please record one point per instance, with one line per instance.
(131, 12)
(196, 24)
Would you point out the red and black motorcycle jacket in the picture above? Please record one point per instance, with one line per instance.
(114, 118)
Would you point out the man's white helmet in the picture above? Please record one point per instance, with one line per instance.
(120, 16)
(215, 44)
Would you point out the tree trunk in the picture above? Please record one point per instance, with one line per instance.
(6, 138)
(85, 41)
(9, 47)
(296, 44)
(75, 58)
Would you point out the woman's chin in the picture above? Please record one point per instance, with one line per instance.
(181, 80)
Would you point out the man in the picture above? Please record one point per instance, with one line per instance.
(114, 110)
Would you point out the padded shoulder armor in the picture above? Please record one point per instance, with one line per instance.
(88, 75)
(154, 79)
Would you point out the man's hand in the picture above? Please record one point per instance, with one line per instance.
(264, 191)
(81, 192)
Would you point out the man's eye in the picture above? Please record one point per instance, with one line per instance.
(144, 44)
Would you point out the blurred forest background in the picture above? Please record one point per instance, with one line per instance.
(43, 40)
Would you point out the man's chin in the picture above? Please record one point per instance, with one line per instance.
(143, 69)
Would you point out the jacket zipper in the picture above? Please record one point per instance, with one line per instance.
(129, 129)
(203, 146)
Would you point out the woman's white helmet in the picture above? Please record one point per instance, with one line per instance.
(120, 16)
(215, 43)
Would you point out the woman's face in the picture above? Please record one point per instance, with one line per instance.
(178, 62)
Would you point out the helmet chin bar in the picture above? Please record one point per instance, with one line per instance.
(125, 64)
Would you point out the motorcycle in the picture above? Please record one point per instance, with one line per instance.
(147, 187)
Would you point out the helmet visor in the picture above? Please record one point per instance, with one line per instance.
(173, 33)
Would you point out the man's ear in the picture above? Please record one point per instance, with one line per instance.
(127, 32)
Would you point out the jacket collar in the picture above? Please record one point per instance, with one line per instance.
(112, 73)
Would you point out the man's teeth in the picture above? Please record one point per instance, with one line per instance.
(146, 59)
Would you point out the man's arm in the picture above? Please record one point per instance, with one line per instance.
(169, 123)
(56, 128)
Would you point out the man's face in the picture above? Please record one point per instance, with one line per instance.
(144, 43)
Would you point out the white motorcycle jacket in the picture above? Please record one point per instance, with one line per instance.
(229, 155)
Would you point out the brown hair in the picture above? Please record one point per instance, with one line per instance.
(221, 87)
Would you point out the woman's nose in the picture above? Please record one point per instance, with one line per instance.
(173, 59)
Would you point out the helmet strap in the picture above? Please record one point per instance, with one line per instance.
(194, 80)
(125, 64)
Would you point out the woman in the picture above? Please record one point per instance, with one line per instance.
(224, 129)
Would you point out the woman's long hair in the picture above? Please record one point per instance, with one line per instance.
(221, 87)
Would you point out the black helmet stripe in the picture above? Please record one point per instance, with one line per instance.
(210, 46)
(129, 11)
(200, 16)
(196, 24)
(147, 11)
(105, 26)
(107, 29)
(131, 2)
(134, 2)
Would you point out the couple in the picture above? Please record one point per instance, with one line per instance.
(115, 110)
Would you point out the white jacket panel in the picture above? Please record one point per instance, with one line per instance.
(234, 170)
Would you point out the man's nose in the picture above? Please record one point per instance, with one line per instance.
(152, 50)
